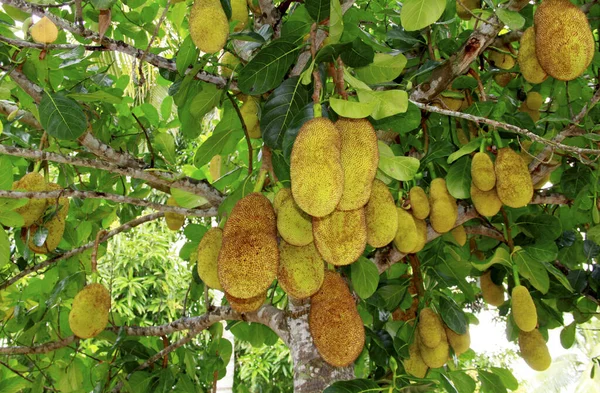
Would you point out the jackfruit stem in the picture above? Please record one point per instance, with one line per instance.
(516, 274)
(431, 168)
(482, 146)
(37, 166)
(499, 144)
(260, 181)
(317, 111)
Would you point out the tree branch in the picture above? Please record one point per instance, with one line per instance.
(6, 108)
(485, 231)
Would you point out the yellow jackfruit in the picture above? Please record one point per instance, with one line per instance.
(294, 226)
(34, 209)
(249, 256)
(523, 309)
(444, 210)
(450, 103)
(360, 157)
(246, 305)
(534, 100)
(316, 167)
(482, 172)
(470, 5)
(564, 43)
(44, 31)
(301, 270)
(239, 12)
(249, 111)
(437, 356)
(382, 223)
(419, 203)
(89, 313)
(174, 220)
(421, 235)
(415, 365)
(534, 114)
(341, 237)
(209, 27)
(460, 235)
(504, 78)
(406, 235)
(460, 343)
(254, 6)
(215, 167)
(513, 181)
(503, 60)
(55, 223)
(229, 64)
(486, 203)
(208, 256)
(534, 350)
(280, 197)
(492, 294)
(335, 325)
(430, 328)
(530, 67)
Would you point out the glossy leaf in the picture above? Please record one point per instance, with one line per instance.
(398, 167)
(418, 14)
(365, 277)
(385, 68)
(62, 117)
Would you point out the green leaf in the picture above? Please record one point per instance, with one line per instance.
(462, 381)
(62, 117)
(453, 316)
(458, 179)
(359, 54)
(6, 173)
(501, 256)
(365, 277)
(317, 9)
(336, 21)
(560, 277)
(248, 36)
(4, 248)
(229, 128)
(398, 167)
(543, 251)
(99, 95)
(353, 386)
(268, 68)
(508, 379)
(387, 102)
(385, 68)
(165, 143)
(465, 149)
(187, 199)
(491, 383)
(205, 100)
(512, 19)
(532, 270)
(187, 55)
(418, 14)
(567, 335)
(351, 109)
(392, 295)
(355, 82)
(540, 226)
(11, 219)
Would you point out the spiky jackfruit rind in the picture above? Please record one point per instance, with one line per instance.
(513, 181)
(44, 31)
(444, 210)
(249, 111)
(415, 365)
(524, 311)
(34, 209)
(419, 203)
(406, 235)
(483, 174)
(282, 195)
(316, 167)
(534, 114)
(174, 220)
(341, 236)
(430, 328)
(89, 312)
(246, 305)
(435, 357)
(530, 67)
(249, 256)
(208, 257)
(382, 223)
(460, 343)
(360, 157)
(209, 27)
(294, 225)
(421, 235)
(534, 350)
(564, 43)
(333, 289)
(301, 270)
(492, 294)
(460, 235)
(502, 60)
(486, 203)
(55, 224)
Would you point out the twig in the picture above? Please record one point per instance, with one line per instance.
(316, 76)
(79, 14)
(94, 258)
(476, 16)
(156, 30)
(245, 128)
(416, 273)
(339, 74)
(166, 344)
(148, 142)
(267, 163)
(480, 88)
(485, 231)
(509, 239)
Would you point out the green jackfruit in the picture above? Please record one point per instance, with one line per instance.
(174, 220)
(564, 43)
(492, 294)
(460, 235)
(513, 181)
(209, 27)
(449, 102)
(229, 64)
(419, 203)
(360, 157)
(534, 114)
(294, 226)
(282, 195)
(482, 172)
(470, 5)
(341, 237)
(249, 111)
(316, 167)
(55, 221)
(89, 313)
(444, 210)
(208, 257)
(486, 203)
(534, 100)
(460, 343)
(246, 305)
(504, 78)
(415, 365)
(406, 235)
(530, 67)
(249, 256)
(437, 356)
(301, 270)
(421, 235)
(534, 350)
(239, 13)
(430, 328)
(34, 209)
(501, 58)
(382, 224)
(523, 309)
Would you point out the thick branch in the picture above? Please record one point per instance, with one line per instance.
(6, 108)
(485, 231)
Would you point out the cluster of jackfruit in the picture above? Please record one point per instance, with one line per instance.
(89, 312)
(208, 24)
(432, 343)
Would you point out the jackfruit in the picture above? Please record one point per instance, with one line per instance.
(406, 235)
(249, 111)
(341, 237)
(482, 172)
(54, 223)
(254, 6)
(215, 167)
(421, 235)
(89, 313)
(492, 294)
(229, 64)
(534, 100)
(246, 305)
(437, 356)
(486, 203)
(430, 328)
(534, 350)
(523, 309)
(208, 256)
(334, 323)
(564, 43)
(460, 343)
(174, 220)
(294, 226)
(44, 31)
(470, 5)
(460, 235)
(504, 78)
(34, 209)
(448, 102)
(316, 167)
(249, 256)
(503, 60)
(239, 12)
(415, 365)
(530, 67)
(444, 210)
(513, 181)
(382, 223)
(419, 203)
(209, 27)
(534, 114)
(280, 197)
(301, 270)
(360, 157)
